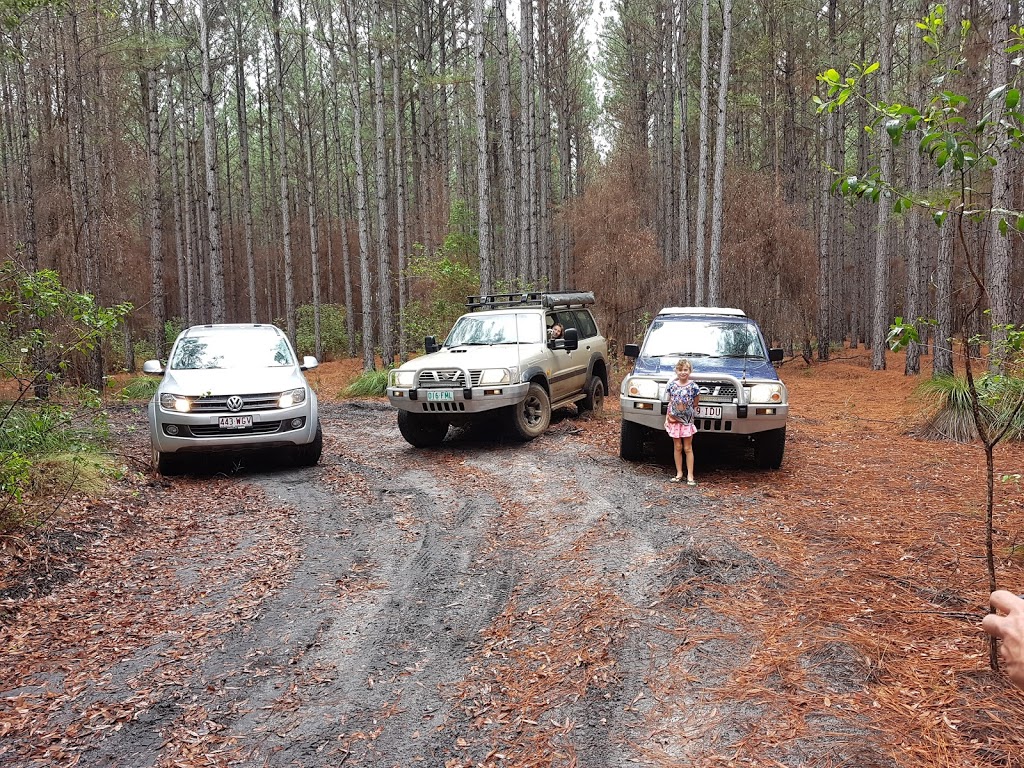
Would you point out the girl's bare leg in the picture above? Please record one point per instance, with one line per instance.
(687, 445)
(677, 453)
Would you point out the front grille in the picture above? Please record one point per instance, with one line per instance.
(717, 392)
(219, 403)
(448, 377)
(713, 425)
(212, 430)
(445, 407)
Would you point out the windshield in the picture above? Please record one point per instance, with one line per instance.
(705, 338)
(511, 328)
(232, 350)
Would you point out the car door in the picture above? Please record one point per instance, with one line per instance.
(579, 358)
(560, 373)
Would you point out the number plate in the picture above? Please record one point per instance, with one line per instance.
(709, 411)
(235, 422)
(440, 394)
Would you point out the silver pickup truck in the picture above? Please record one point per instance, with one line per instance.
(504, 357)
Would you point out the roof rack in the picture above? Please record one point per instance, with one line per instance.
(563, 299)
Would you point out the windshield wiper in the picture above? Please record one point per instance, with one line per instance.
(746, 356)
(683, 354)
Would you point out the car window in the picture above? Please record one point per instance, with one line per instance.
(702, 338)
(584, 323)
(230, 350)
(511, 328)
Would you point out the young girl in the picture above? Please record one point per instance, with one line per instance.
(683, 396)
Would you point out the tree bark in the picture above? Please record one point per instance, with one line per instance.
(997, 272)
(482, 191)
(243, 157)
(384, 293)
(285, 198)
(216, 263)
(718, 204)
(700, 270)
(366, 288)
(880, 308)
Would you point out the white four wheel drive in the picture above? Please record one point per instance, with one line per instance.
(231, 388)
(742, 399)
(502, 359)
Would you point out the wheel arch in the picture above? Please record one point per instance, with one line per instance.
(536, 374)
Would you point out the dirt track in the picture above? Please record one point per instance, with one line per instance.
(487, 603)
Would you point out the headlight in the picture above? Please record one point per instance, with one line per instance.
(292, 397)
(489, 376)
(767, 393)
(645, 388)
(175, 403)
(402, 379)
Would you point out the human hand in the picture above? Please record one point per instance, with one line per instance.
(1008, 627)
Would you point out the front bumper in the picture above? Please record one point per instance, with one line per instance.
(736, 419)
(200, 433)
(464, 400)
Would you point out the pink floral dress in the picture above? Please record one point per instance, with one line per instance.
(680, 407)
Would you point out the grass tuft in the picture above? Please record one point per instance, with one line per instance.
(139, 388)
(369, 384)
(950, 416)
(81, 472)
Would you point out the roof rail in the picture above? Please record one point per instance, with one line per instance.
(703, 311)
(563, 299)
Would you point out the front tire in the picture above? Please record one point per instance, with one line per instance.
(308, 455)
(769, 447)
(594, 401)
(631, 441)
(422, 430)
(530, 418)
(167, 464)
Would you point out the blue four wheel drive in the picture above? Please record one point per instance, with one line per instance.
(742, 398)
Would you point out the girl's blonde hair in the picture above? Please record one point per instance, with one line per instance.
(683, 363)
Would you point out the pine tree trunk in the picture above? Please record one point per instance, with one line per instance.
(718, 201)
(683, 177)
(384, 295)
(311, 213)
(216, 263)
(880, 309)
(30, 237)
(282, 152)
(156, 256)
(243, 158)
(700, 276)
(341, 182)
(997, 272)
(527, 253)
(510, 257)
(366, 288)
(912, 295)
(401, 229)
(482, 191)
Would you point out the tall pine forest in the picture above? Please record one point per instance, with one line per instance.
(352, 170)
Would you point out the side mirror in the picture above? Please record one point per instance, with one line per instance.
(631, 350)
(153, 366)
(309, 362)
(776, 354)
(430, 344)
(572, 339)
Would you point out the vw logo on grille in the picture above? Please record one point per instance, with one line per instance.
(234, 403)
